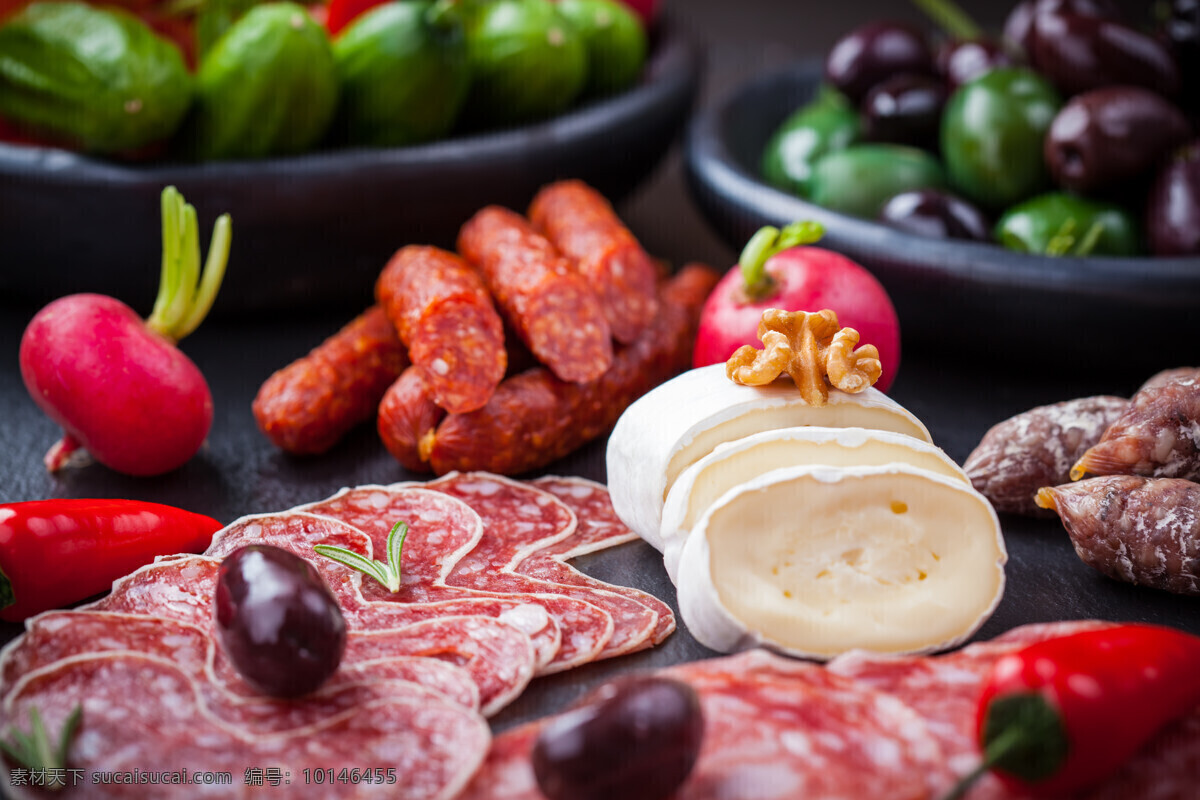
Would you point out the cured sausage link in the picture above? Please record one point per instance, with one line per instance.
(444, 315)
(583, 226)
(534, 418)
(408, 417)
(553, 309)
(310, 404)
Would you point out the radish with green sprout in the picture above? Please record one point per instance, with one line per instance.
(116, 384)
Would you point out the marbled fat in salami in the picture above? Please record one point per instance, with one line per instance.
(598, 528)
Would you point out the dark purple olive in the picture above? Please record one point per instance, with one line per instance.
(963, 60)
(937, 215)
(1106, 137)
(906, 109)
(277, 621)
(1078, 53)
(1173, 208)
(1180, 28)
(1018, 28)
(633, 739)
(874, 52)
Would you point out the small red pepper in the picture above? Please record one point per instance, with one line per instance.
(57, 552)
(1064, 714)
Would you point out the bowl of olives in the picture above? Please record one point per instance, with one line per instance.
(1015, 191)
(330, 139)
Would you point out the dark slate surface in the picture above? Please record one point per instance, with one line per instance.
(239, 472)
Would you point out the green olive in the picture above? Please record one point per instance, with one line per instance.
(98, 78)
(992, 134)
(1063, 224)
(615, 42)
(861, 178)
(823, 126)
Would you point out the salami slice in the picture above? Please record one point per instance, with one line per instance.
(444, 314)
(142, 713)
(553, 309)
(598, 528)
(440, 531)
(583, 226)
(309, 405)
(774, 729)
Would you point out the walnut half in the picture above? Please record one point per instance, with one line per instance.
(810, 347)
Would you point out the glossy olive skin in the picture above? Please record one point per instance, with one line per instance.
(634, 739)
(1018, 28)
(937, 215)
(961, 61)
(861, 178)
(905, 109)
(1078, 53)
(992, 134)
(1173, 206)
(825, 125)
(1106, 137)
(874, 52)
(278, 622)
(1030, 226)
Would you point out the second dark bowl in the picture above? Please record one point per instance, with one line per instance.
(1079, 312)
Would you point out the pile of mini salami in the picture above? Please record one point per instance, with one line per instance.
(863, 726)
(521, 347)
(1138, 520)
(487, 603)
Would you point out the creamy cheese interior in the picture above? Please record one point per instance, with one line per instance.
(882, 559)
(735, 463)
(841, 412)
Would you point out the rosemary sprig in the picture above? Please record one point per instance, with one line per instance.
(33, 750)
(388, 573)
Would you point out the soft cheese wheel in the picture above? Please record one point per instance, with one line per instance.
(681, 421)
(815, 561)
(734, 463)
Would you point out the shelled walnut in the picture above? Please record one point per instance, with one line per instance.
(810, 347)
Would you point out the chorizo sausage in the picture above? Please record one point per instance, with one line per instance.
(445, 317)
(408, 417)
(310, 404)
(553, 309)
(534, 418)
(582, 225)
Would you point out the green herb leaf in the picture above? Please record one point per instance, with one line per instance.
(387, 574)
(33, 750)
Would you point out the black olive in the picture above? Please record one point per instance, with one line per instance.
(634, 739)
(1180, 28)
(1018, 28)
(1078, 53)
(906, 109)
(935, 214)
(873, 52)
(278, 622)
(1106, 137)
(963, 60)
(1173, 208)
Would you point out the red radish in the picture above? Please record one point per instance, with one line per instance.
(778, 271)
(118, 386)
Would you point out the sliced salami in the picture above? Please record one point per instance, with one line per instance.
(597, 528)
(435, 745)
(774, 729)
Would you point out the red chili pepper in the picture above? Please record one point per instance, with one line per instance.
(1066, 713)
(342, 12)
(57, 552)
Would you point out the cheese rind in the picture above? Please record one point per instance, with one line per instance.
(681, 421)
(816, 561)
(736, 462)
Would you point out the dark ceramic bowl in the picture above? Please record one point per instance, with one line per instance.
(315, 230)
(1082, 311)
